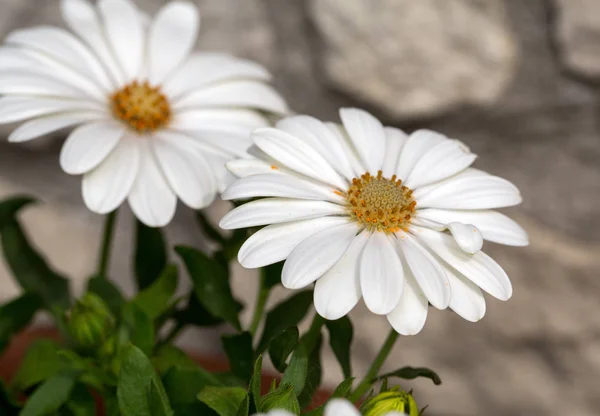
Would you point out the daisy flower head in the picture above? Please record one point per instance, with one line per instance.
(366, 211)
(154, 120)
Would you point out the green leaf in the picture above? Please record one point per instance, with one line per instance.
(183, 383)
(81, 402)
(344, 388)
(226, 401)
(111, 404)
(50, 396)
(31, 270)
(16, 315)
(40, 363)
(8, 403)
(211, 284)
(283, 397)
(295, 373)
(109, 293)
(340, 339)
(155, 299)
(150, 255)
(313, 374)
(286, 314)
(140, 391)
(196, 314)
(244, 409)
(10, 207)
(409, 373)
(87, 369)
(272, 274)
(138, 328)
(169, 356)
(255, 383)
(241, 356)
(282, 346)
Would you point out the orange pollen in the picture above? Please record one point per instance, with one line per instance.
(141, 106)
(379, 203)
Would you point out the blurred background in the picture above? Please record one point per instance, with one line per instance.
(517, 80)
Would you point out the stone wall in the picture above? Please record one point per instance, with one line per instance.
(516, 80)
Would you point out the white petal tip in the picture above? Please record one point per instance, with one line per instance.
(467, 236)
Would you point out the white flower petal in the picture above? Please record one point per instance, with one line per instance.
(276, 210)
(234, 94)
(218, 118)
(493, 225)
(107, 186)
(172, 36)
(64, 47)
(417, 144)
(340, 407)
(321, 138)
(442, 161)
(25, 82)
(470, 192)
(467, 300)
(381, 274)
(409, 316)
(314, 256)
(82, 18)
(247, 167)
(296, 155)
(151, 199)
(14, 109)
(351, 155)
(480, 268)
(338, 290)
(49, 124)
(467, 236)
(368, 136)
(124, 31)
(203, 69)
(89, 145)
(280, 185)
(427, 270)
(274, 243)
(185, 169)
(395, 140)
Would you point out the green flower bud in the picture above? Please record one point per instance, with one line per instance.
(393, 400)
(283, 398)
(90, 321)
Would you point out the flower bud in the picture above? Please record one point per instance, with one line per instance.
(90, 321)
(393, 400)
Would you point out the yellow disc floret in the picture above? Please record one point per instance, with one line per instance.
(380, 204)
(141, 106)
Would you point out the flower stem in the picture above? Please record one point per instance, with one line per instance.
(109, 228)
(367, 382)
(261, 301)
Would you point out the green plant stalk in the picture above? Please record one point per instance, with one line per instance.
(107, 238)
(312, 335)
(367, 382)
(261, 301)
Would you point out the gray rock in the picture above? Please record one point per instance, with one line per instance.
(416, 58)
(578, 35)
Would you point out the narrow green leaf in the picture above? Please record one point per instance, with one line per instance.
(108, 291)
(211, 284)
(138, 328)
(240, 353)
(196, 314)
(344, 388)
(81, 402)
(255, 383)
(31, 270)
(226, 401)
(16, 315)
(50, 396)
(10, 207)
(138, 382)
(282, 346)
(409, 373)
(295, 373)
(155, 299)
(150, 255)
(40, 363)
(286, 314)
(158, 400)
(283, 397)
(314, 374)
(340, 339)
(244, 409)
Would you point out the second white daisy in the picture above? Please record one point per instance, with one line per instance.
(369, 212)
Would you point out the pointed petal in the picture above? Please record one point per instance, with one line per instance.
(467, 300)
(395, 140)
(107, 186)
(417, 144)
(313, 257)
(381, 274)
(247, 167)
(49, 124)
(275, 242)
(366, 132)
(89, 145)
(14, 109)
(409, 316)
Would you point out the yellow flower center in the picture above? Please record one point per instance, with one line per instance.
(380, 204)
(141, 106)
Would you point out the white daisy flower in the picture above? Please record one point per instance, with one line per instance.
(367, 211)
(156, 122)
(276, 412)
(342, 407)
